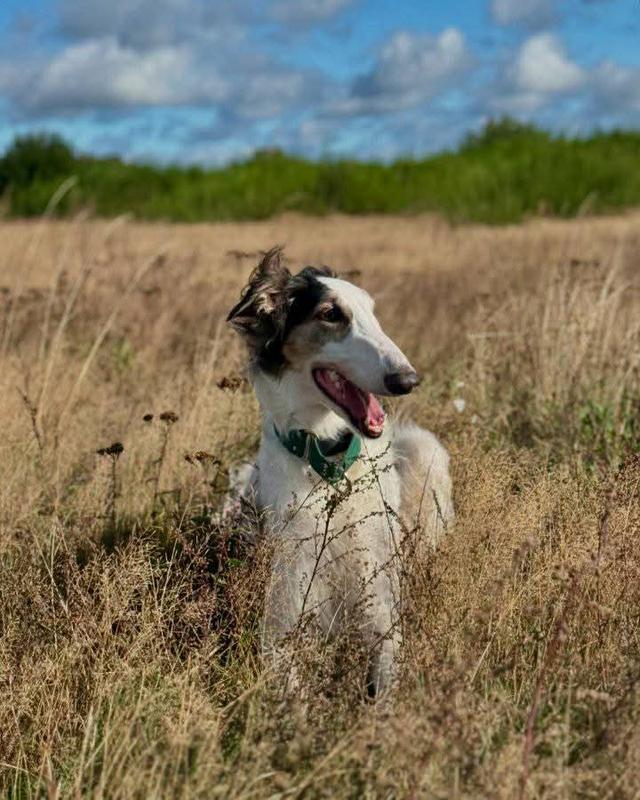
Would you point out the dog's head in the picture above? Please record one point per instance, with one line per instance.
(321, 333)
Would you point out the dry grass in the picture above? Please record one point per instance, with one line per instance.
(128, 657)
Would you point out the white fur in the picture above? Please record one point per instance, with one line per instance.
(329, 565)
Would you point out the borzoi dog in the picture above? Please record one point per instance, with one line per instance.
(336, 483)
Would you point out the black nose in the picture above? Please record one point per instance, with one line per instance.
(401, 382)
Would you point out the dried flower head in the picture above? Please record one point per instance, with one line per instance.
(231, 382)
(169, 417)
(114, 450)
(201, 457)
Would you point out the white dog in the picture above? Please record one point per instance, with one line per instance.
(337, 484)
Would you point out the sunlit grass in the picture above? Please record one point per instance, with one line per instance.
(129, 616)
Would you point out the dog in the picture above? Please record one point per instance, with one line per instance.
(336, 483)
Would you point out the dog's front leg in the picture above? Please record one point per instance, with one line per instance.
(298, 604)
(382, 630)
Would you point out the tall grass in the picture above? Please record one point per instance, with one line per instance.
(129, 653)
(504, 174)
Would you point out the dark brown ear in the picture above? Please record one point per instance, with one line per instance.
(262, 309)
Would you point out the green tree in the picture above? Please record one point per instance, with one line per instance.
(39, 157)
(500, 130)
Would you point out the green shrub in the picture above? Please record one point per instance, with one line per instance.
(504, 173)
(36, 158)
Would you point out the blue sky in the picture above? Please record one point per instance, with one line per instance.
(207, 81)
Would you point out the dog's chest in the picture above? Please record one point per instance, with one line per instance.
(298, 503)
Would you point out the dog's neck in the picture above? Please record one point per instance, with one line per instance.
(287, 407)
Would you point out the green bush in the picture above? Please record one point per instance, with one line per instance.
(504, 173)
(37, 158)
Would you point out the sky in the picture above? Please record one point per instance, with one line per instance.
(211, 81)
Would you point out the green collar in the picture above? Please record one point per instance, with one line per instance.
(307, 445)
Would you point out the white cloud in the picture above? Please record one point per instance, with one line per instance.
(542, 66)
(213, 70)
(270, 93)
(153, 23)
(102, 73)
(410, 69)
(206, 71)
(617, 87)
(11, 76)
(307, 12)
(540, 72)
(542, 83)
(527, 13)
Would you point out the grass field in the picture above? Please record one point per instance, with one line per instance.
(129, 660)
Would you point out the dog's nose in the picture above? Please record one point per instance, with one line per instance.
(401, 382)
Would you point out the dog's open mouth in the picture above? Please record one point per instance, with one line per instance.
(362, 408)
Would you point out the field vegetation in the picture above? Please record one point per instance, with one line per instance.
(505, 173)
(129, 653)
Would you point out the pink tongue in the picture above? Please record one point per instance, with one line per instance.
(362, 406)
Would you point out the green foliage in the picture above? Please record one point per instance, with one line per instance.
(611, 432)
(34, 160)
(123, 354)
(501, 131)
(504, 173)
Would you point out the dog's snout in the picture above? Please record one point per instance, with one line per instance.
(401, 382)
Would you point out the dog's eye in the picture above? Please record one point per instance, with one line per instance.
(331, 313)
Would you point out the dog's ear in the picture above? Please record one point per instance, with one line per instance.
(262, 309)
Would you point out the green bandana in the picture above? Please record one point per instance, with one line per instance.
(307, 445)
